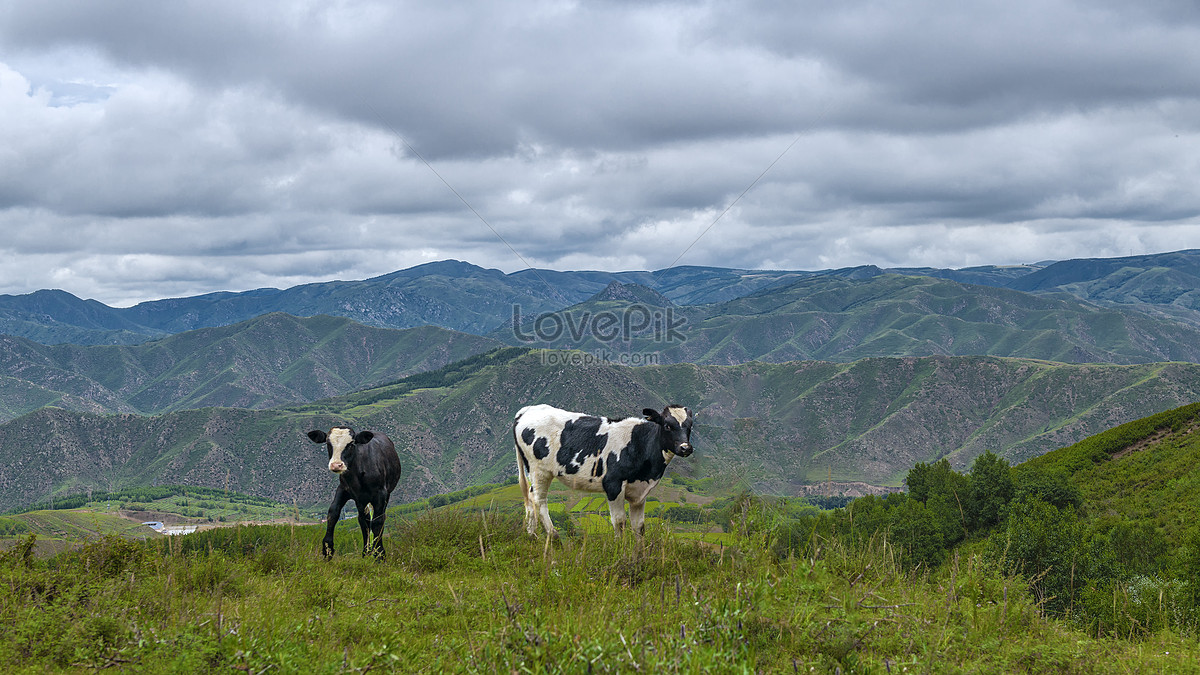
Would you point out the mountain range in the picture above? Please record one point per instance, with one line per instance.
(267, 361)
(279, 359)
(775, 426)
(798, 377)
(467, 298)
(834, 317)
(450, 294)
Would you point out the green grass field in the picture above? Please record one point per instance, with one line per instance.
(62, 529)
(469, 591)
(723, 584)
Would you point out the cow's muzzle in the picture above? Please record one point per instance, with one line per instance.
(337, 467)
(684, 450)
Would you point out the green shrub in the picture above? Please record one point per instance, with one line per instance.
(915, 531)
(1042, 542)
(991, 488)
(684, 513)
(794, 538)
(11, 527)
(1051, 486)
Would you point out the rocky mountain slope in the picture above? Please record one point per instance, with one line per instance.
(775, 426)
(268, 361)
(840, 318)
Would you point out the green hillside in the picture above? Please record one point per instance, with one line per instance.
(1146, 471)
(66, 523)
(1164, 284)
(835, 318)
(272, 360)
(1084, 560)
(72, 525)
(777, 426)
(1104, 531)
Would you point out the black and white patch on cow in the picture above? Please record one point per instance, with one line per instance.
(368, 469)
(624, 458)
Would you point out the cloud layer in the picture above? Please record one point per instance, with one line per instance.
(163, 149)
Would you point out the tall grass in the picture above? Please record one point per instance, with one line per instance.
(468, 591)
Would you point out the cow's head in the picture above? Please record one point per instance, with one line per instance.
(676, 424)
(342, 444)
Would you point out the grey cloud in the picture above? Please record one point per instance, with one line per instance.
(459, 80)
(989, 61)
(472, 80)
(183, 147)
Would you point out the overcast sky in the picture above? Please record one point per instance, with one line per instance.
(158, 149)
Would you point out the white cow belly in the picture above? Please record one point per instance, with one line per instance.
(636, 491)
(581, 481)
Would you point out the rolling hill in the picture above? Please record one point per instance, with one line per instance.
(845, 317)
(268, 361)
(1167, 284)
(1145, 471)
(776, 426)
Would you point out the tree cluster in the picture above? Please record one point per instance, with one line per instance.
(1109, 574)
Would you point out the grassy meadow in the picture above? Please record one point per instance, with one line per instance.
(1085, 560)
(466, 590)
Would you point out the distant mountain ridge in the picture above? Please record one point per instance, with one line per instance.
(451, 294)
(1166, 284)
(467, 298)
(278, 359)
(861, 313)
(1082, 270)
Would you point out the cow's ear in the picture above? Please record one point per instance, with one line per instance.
(363, 437)
(652, 415)
(317, 436)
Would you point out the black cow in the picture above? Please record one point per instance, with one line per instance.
(622, 458)
(368, 470)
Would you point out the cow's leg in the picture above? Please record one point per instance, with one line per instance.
(364, 521)
(637, 516)
(379, 506)
(340, 497)
(635, 494)
(616, 512)
(541, 492)
(531, 515)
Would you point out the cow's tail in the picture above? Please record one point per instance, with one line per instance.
(523, 478)
(522, 470)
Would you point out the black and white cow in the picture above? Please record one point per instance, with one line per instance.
(622, 458)
(368, 470)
